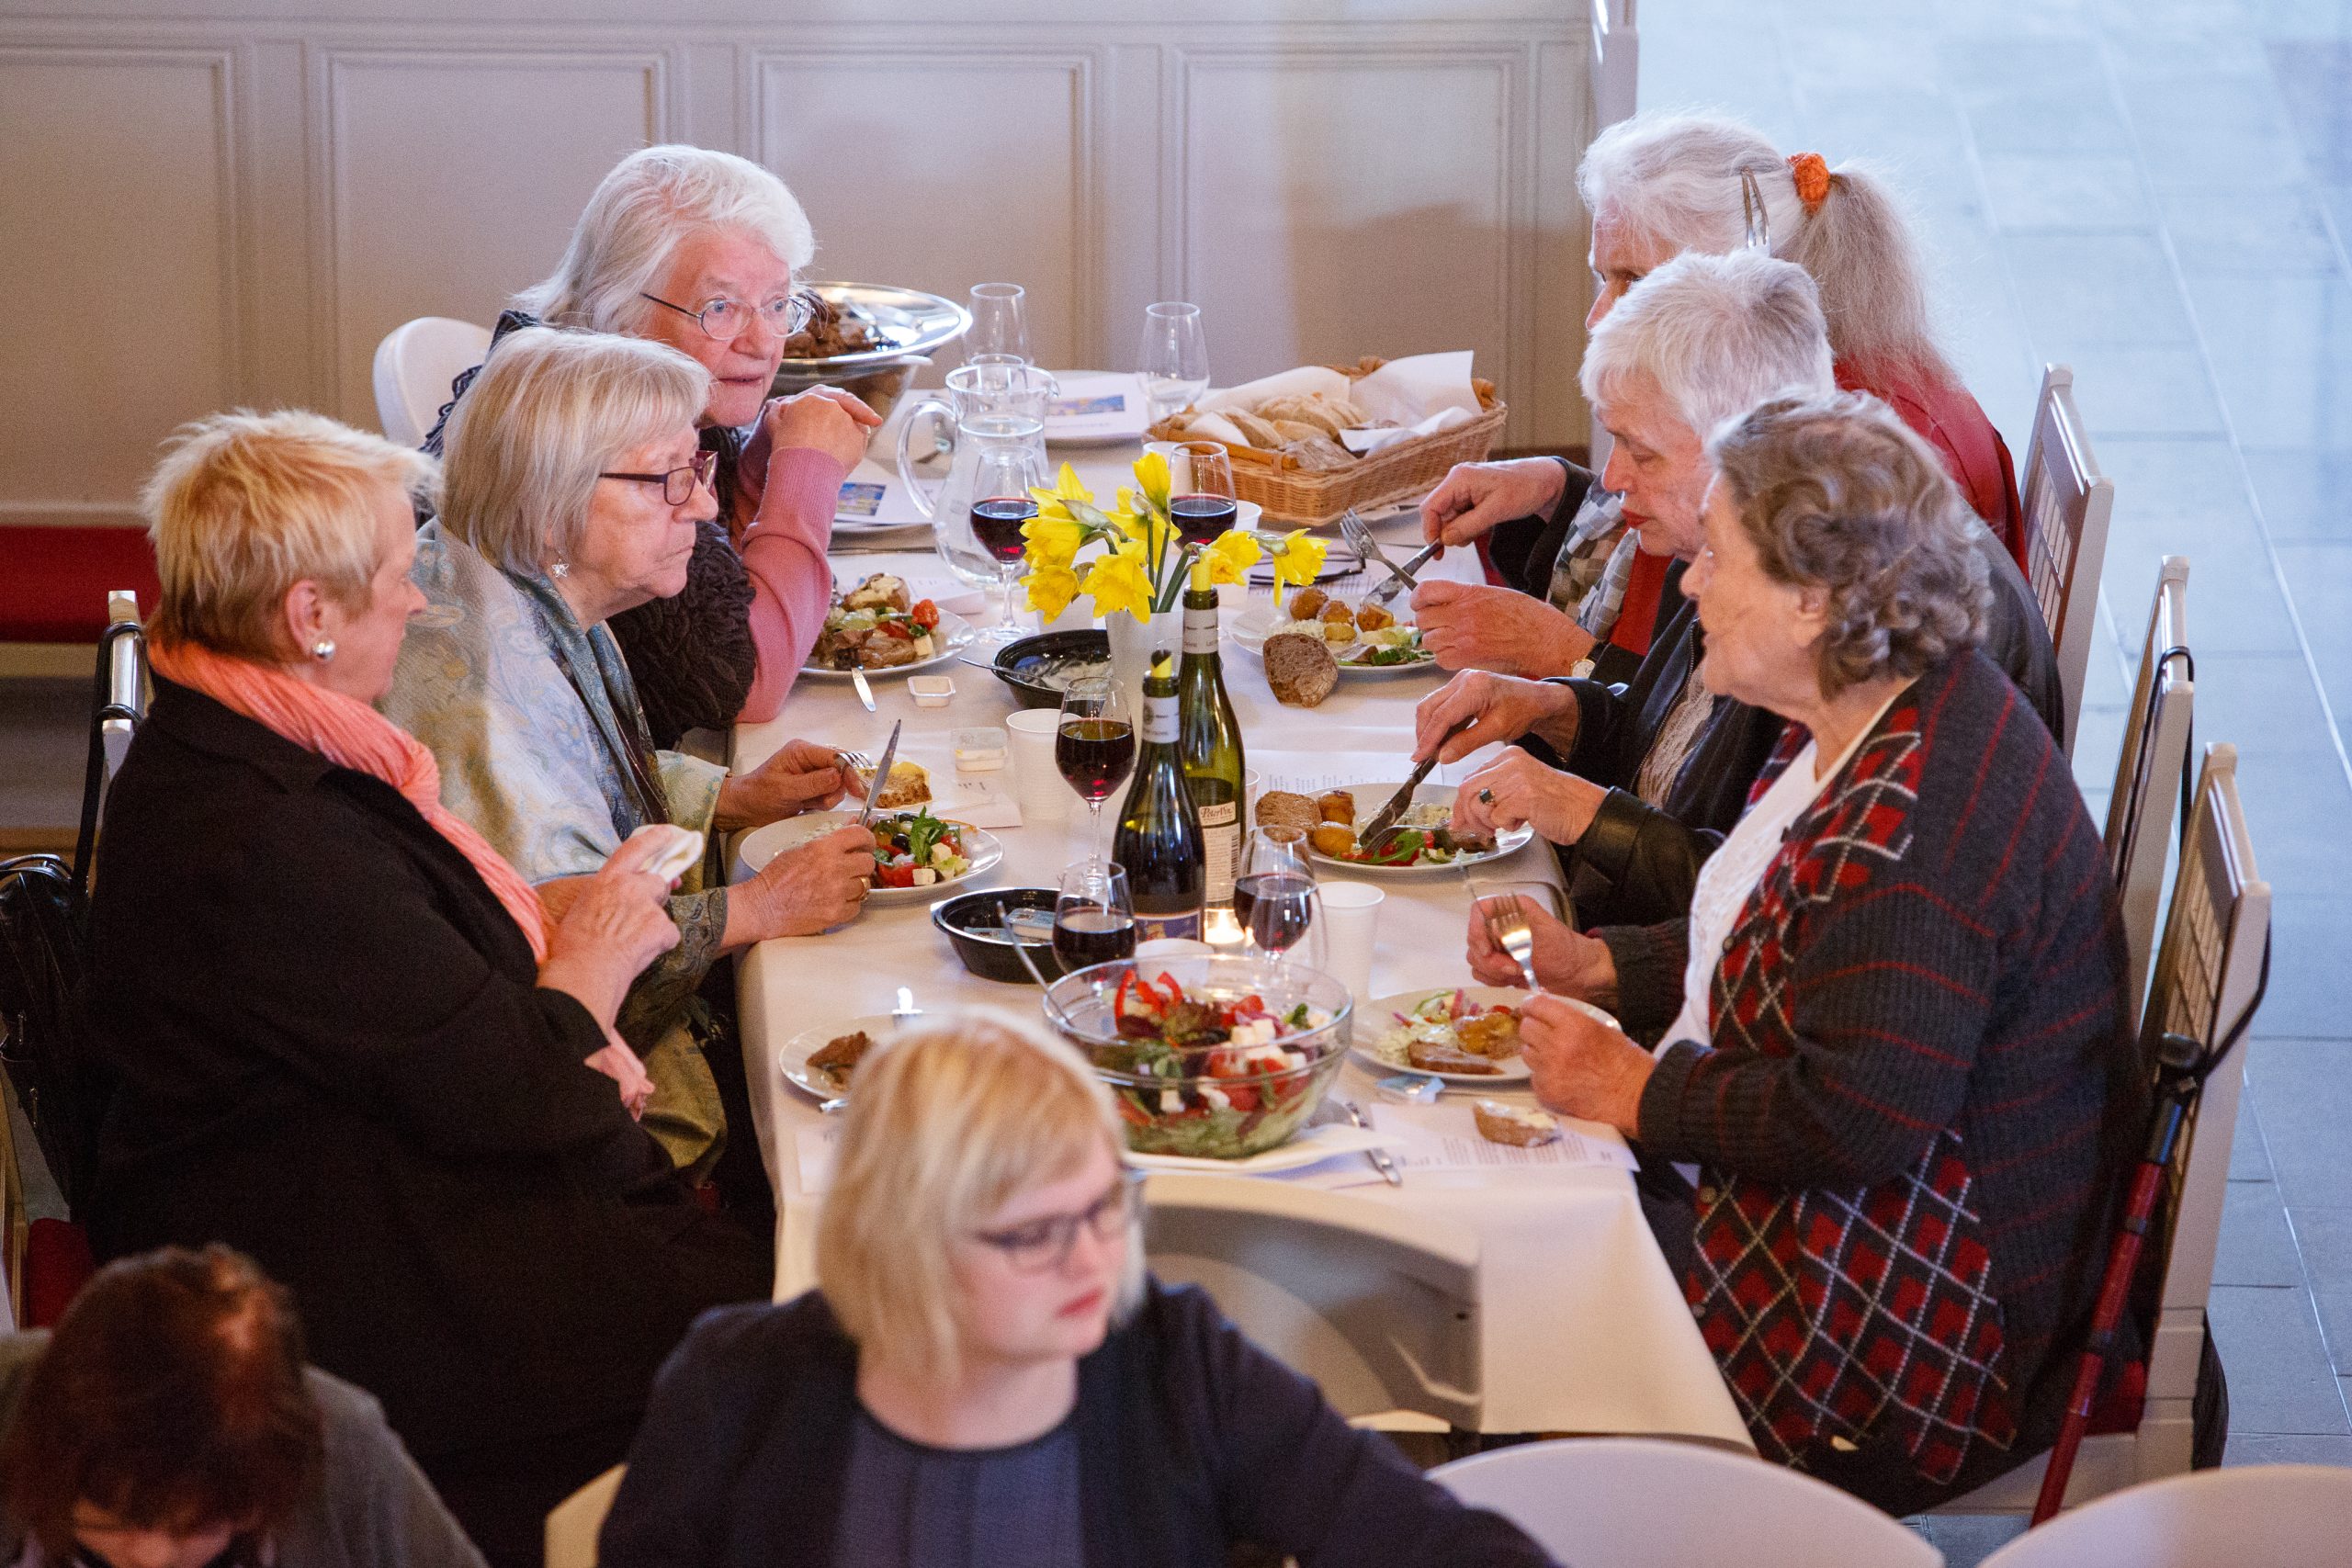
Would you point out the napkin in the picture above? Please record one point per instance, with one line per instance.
(1410, 390)
(1305, 381)
(985, 800)
(1445, 1137)
(1368, 440)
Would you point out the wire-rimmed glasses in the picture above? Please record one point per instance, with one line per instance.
(677, 484)
(727, 319)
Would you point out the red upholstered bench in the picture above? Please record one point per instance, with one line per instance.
(54, 581)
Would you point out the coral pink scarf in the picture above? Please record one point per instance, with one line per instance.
(352, 735)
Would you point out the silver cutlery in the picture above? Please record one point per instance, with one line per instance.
(1380, 1159)
(1508, 928)
(881, 776)
(1372, 838)
(1359, 536)
(1401, 577)
(865, 690)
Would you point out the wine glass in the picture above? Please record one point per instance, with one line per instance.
(1001, 505)
(1094, 919)
(1276, 899)
(1200, 490)
(1095, 748)
(1000, 321)
(1174, 359)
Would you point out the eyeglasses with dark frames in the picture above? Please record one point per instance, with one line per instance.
(677, 484)
(1043, 1246)
(727, 319)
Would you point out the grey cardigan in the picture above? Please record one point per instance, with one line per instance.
(372, 1509)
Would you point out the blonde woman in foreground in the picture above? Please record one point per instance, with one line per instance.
(986, 1375)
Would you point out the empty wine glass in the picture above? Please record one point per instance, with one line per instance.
(1276, 899)
(1174, 359)
(1000, 321)
(1094, 918)
(1096, 747)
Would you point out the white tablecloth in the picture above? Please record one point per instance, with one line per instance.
(1585, 1330)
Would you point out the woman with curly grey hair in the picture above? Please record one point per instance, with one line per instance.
(1903, 1078)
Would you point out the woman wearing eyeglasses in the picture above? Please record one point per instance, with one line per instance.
(572, 489)
(985, 1375)
(696, 249)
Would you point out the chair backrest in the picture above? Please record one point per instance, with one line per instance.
(2208, 975)
(2262, 1515)
(1377, 1305)
(576, 1522)
(2155, 755)
(1643, 1502)
(414, 365)
(2067, 504)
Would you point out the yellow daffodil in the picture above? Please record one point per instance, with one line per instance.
(1297, 559)
(1053, 541)
(1151, 474)
(1117, 582)
(1049, 588)
(1231, 555)
(1054, 503)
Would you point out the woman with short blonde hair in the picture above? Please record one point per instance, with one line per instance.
(984, 1375)
(697, 249)
(348, 1037)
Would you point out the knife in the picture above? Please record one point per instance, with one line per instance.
(1386, 818)
(1402, 576)
(881, 776)
(865, 692)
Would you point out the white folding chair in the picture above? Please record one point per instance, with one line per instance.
(1379, 1307)
(414, 365)
(1643, 1502)
(2155, 754)
(2067, 504)
(576, 1522)
(2264, 1516)
(2209, 974)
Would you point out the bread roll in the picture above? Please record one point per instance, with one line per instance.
(1319, 454)
(1261, 432)
(1336, 806)
(1291, 430)
(1301, 672)
(1282, 808)
(1522, 1127)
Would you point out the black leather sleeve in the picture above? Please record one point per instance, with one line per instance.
(1650, 859)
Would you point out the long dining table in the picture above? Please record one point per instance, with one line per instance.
(1582, 1327)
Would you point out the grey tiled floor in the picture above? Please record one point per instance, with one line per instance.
(2158, 192)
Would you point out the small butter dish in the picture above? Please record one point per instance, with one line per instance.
(979, 750)
(930, 691)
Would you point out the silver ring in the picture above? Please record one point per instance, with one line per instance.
(1486, 797)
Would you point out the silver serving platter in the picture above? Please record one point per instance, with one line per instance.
(913, 322)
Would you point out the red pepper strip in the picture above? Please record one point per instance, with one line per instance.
(1175, 991)
(1119, 997)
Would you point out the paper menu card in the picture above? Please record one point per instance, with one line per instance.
(1444, 1137)
(1097, 406)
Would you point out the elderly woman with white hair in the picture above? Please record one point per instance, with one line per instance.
(1657, 186)
(1904, 1064)
(698, 250)
(572, 486)
(984, 1375)
(348, 1038)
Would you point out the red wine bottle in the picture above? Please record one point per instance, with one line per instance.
(1159, 833)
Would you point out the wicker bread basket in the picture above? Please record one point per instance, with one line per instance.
(1293, 494)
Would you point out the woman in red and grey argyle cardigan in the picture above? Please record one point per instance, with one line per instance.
(1905, 1067)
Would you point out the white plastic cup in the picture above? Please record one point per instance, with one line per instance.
(1038, 787)
(1350, 922)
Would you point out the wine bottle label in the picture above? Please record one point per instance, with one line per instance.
(1220, 848)
(1200, 629)
(1152, 927)
(1160, 721)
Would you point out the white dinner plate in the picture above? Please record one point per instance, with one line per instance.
(1254, 625)
(793, 1060)
(1313, 1145)
(764, 844)
(1371, 798)
(1377, 1018)
(949, 638)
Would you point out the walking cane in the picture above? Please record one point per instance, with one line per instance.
(2182, 1067)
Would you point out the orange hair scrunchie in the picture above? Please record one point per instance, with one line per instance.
(1812, 174)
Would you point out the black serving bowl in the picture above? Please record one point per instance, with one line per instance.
(991, 957)
(1039, 669)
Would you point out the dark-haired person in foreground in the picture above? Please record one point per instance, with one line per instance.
(168, 1422)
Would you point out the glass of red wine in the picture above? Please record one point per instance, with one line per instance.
(1094, 919)
(1276, 899)
(1200, 490)
(1001, 505)
(1096, 747)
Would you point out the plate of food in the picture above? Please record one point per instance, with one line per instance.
(821, 1061)
(916, 856)
(1330, 822)
(877, 626)
(1467, 1035)
(1366, 639)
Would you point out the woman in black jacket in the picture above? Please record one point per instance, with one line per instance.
(985, 1376)
(349, 1043)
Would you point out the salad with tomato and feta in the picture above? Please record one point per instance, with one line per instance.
(1210, 1078)
(915, 849)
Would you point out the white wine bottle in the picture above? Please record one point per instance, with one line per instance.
(1159, 833)
(1209, 737)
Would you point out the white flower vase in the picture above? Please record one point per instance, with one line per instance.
(1134, 640)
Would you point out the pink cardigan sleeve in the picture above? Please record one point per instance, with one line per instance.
(783, 551)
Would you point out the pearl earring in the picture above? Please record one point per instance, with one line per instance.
(323, 649)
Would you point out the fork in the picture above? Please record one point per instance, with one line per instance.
(1508, 928)
(1380, 1159)
(858, 761)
